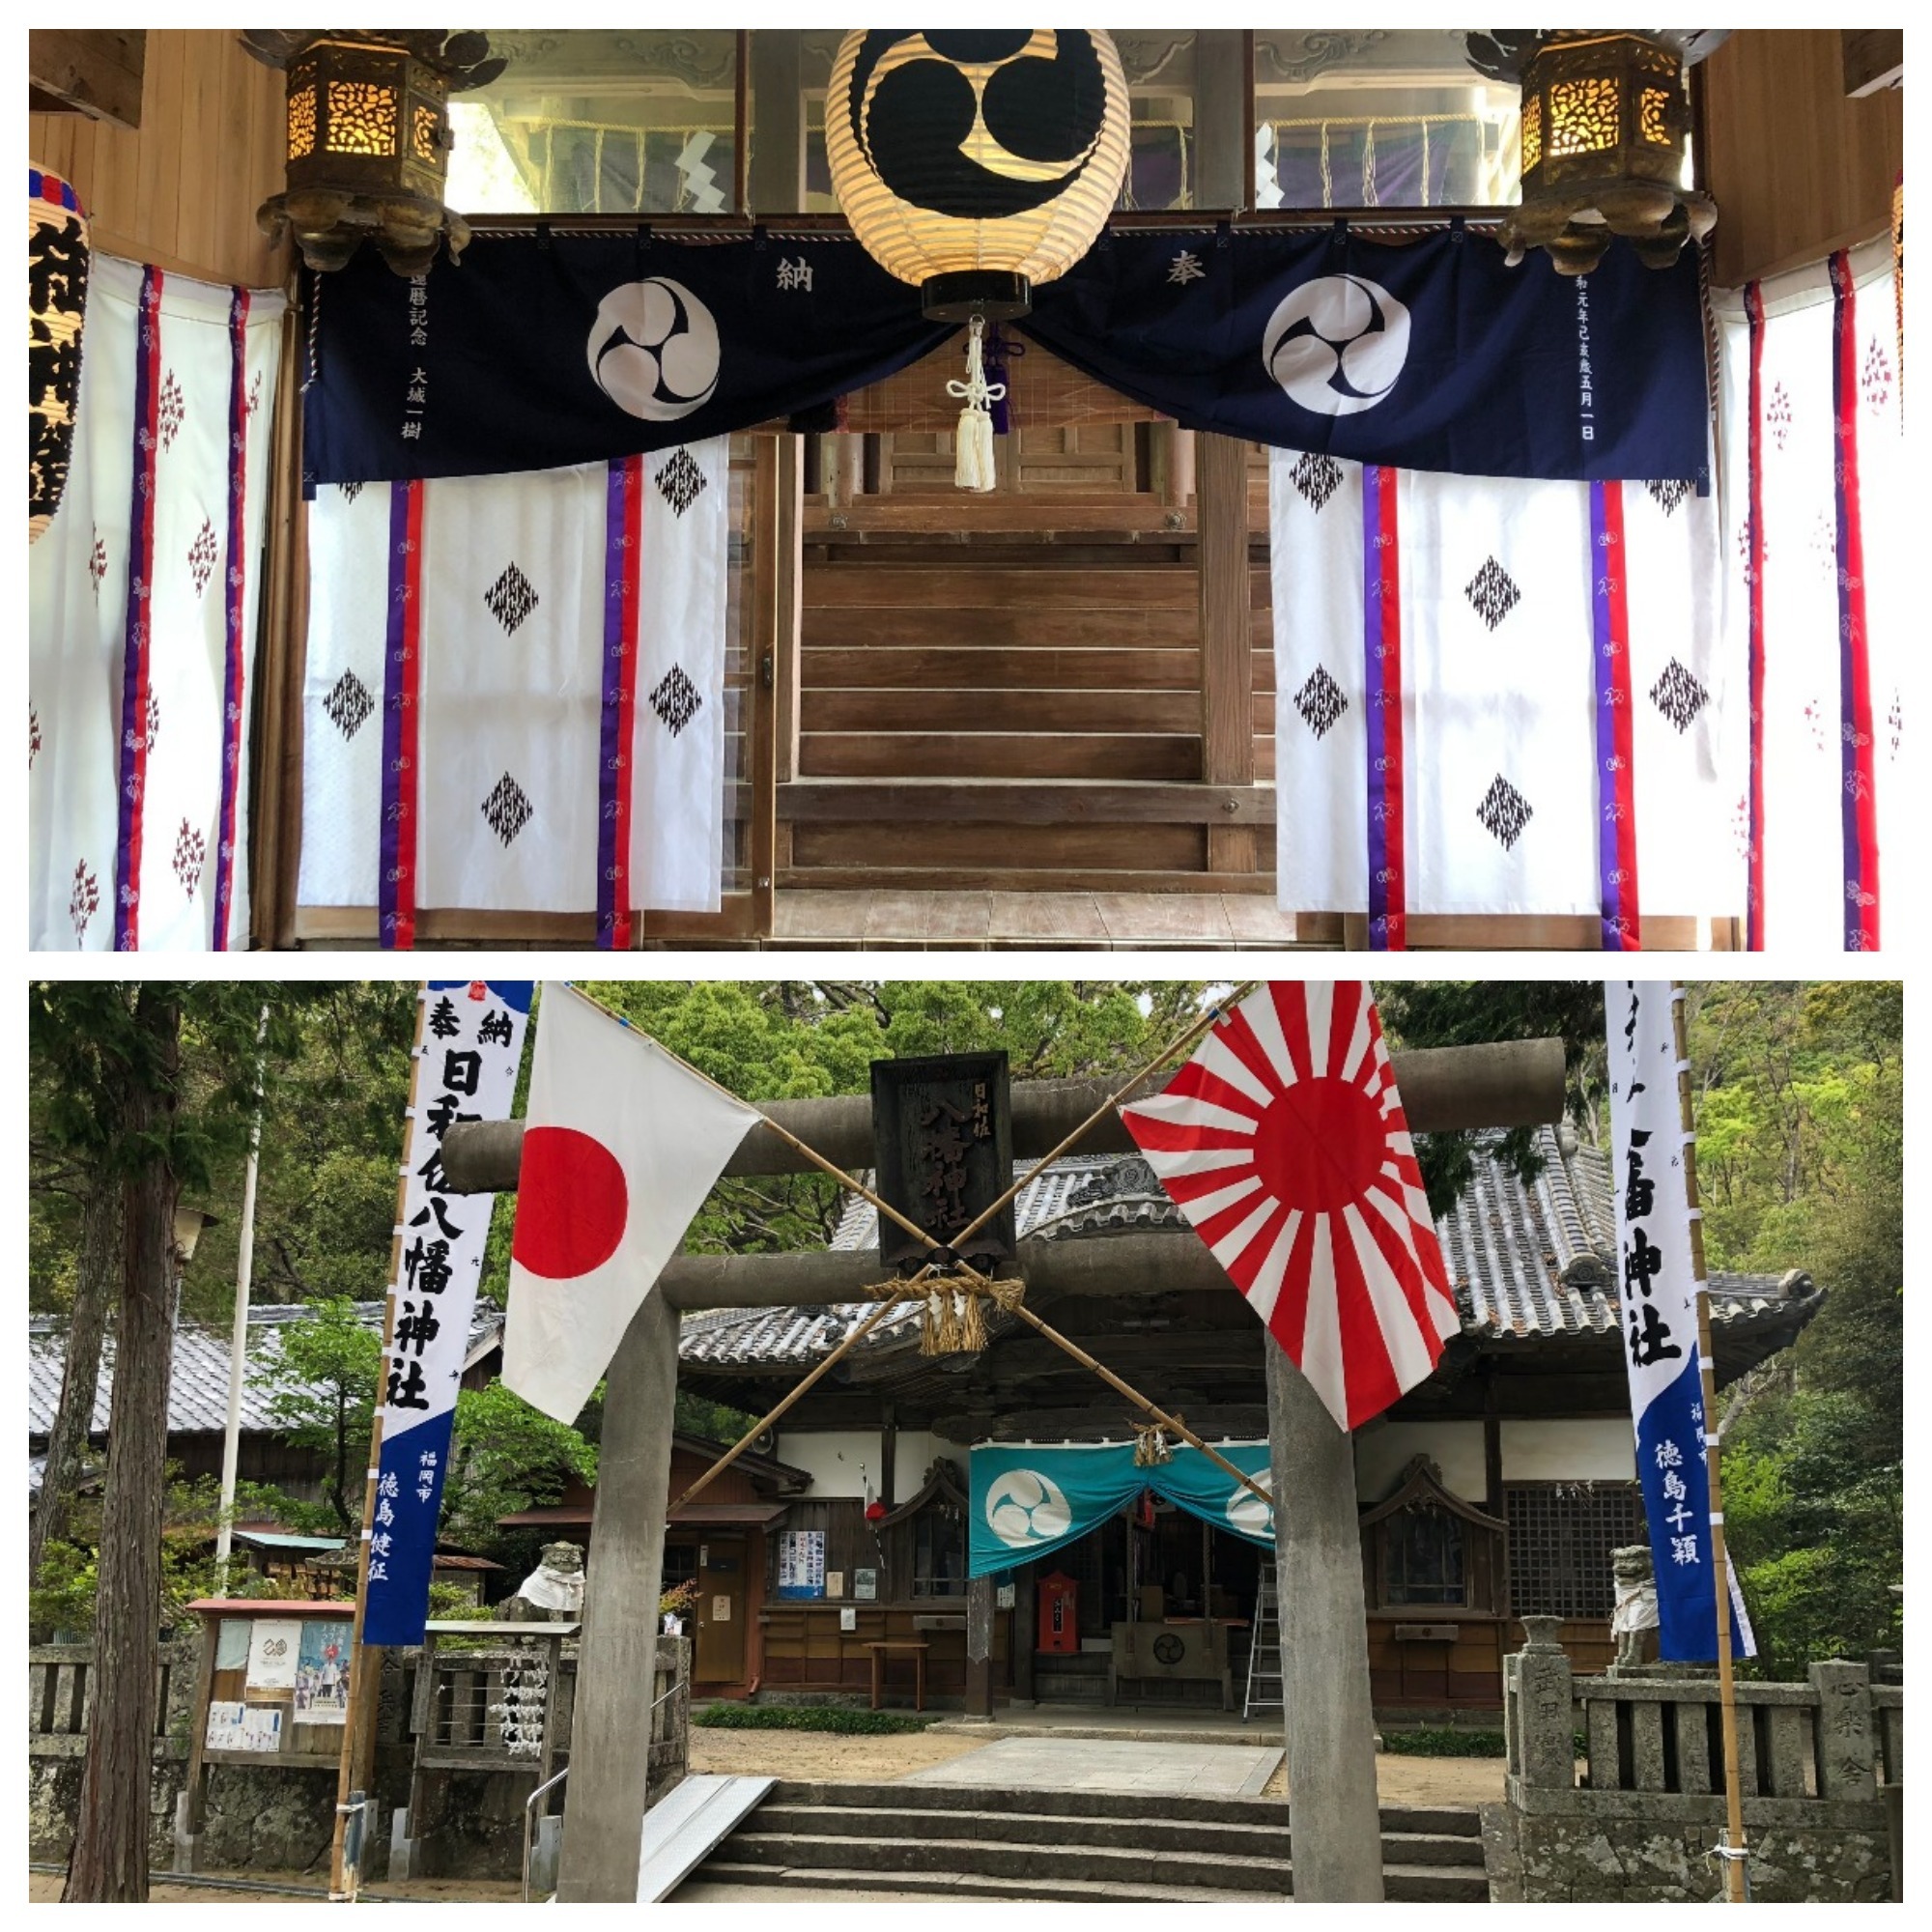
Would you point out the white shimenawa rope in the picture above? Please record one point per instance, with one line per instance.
(973, 469)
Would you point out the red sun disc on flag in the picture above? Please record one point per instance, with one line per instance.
(571, 1203)
(1284, 1143)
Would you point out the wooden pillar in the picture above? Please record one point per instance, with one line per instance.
(1226, 656)
(610, 1750)
(1329, 1720)
(789, 562)
(777, 122)
(774, 479)
(1223, 140)
(1025, 1631)
(980, 1647)
(888, 1444)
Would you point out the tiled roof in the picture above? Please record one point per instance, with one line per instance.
(1525, 1260)
(198, 1397)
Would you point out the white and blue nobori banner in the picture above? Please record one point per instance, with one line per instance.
(1657, 1303)
(472, 1044)
(1030, 1499)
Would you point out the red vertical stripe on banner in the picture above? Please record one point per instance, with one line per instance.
(1861, 800)
(627, 691)
(1381, 628)
(1754, 588)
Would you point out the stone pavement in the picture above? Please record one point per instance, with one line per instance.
(1167, 1769)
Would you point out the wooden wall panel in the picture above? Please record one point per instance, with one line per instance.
(1797, 168)
(181, 193)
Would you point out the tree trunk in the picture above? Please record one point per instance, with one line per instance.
(73, 1416)
(110, 1845)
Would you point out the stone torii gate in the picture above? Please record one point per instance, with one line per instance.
(1328, 1719)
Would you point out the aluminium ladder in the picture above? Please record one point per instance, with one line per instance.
(1264, 1689)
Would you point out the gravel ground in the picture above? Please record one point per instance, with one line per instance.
(44, 1888)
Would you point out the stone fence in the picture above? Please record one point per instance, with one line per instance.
(439, 1734)
(1616, 1784)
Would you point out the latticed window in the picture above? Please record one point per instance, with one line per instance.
(1425, 1559)
(1560, 1539)
(939, 1554)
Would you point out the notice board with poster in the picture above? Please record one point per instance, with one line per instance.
(801, 1564)
(273, 1685)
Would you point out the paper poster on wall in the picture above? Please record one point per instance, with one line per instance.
(231, 1645)
(865, 1585)
(848, 1619)
(720, 1609)
(261, 1727)
(801, 1563)
(835, 1582)
(322, 1674)
(273, 1647)
(225, 1721)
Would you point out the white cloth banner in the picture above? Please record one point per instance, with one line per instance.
(1469, 722)
(544, 602)
(1831, 734)
(621, 1144)
(138, 826)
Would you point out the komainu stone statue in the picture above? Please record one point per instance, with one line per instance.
(1634, 1620)
(552, 1593)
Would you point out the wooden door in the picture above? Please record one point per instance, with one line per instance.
(721, 1611)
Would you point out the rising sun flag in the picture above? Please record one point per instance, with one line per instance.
(1284, 1143)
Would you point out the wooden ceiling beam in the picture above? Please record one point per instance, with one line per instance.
(97, 72)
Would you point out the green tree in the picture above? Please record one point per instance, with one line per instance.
(321, 1386)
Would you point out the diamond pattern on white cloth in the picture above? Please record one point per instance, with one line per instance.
(1513, 698)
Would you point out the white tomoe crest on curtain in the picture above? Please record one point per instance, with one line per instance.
(1437, 744)
(548, 608)
(1812, 435)
(138, 825)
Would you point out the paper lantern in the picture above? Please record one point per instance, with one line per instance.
(57, 259)
(368, 141)
(976, 162)
(1605, 120)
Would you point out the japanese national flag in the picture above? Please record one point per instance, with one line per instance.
(1283, 1141)
(622, 1144)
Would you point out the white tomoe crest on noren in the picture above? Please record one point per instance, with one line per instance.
(1248, 1514)
(654, 349)
(1336, 345)
(1023, 1506)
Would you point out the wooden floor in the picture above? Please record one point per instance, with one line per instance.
(1089, 921)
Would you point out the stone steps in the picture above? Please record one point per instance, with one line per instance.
(936, 1841)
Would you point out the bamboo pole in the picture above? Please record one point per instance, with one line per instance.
(1733, 1851)
(366, 1661)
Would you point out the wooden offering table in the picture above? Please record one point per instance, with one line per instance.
(878, 1656)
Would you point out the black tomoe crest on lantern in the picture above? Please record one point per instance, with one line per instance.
(973, 163)
(57, 264)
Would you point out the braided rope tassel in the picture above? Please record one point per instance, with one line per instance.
(973, 467)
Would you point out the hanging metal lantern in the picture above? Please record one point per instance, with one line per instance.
(976, 162)
(1604, 123)
(57, 260)
(368, 140)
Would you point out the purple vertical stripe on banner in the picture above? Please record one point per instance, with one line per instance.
(1602, 660)
(1371, 684)
(610, 748)
(394, 696)
(236, 583)
(140, 607)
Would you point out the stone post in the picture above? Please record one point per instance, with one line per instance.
(1334, 1819)
(1546, 1739)
(1844, 1740)
(617, 1669)
(980, 1647)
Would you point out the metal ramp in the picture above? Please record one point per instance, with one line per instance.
(682, 1829)
(1263, 1689)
